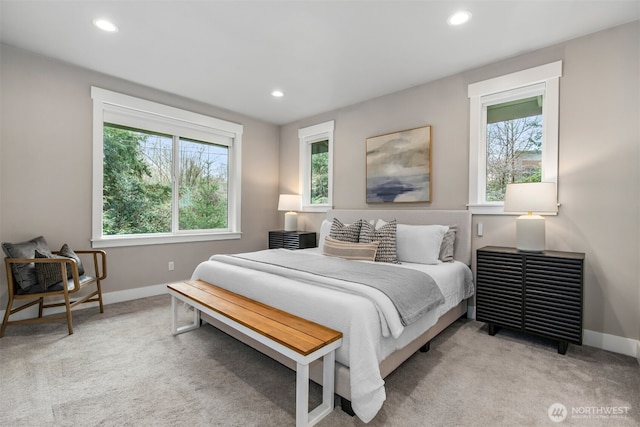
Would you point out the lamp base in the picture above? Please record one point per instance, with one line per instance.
(290, 221)
(530, 233)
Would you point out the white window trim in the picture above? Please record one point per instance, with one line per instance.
(309, 135)
(192, 125)
(479, 93)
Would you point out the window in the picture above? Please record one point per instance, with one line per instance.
(161, 174)
(513, 134)
(316, 167)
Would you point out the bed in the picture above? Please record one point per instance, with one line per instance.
(375, 341)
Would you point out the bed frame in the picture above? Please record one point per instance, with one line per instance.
(462, 252)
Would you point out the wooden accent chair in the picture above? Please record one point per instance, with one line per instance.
(36, 293)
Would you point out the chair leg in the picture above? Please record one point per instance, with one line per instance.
(41, 307)
(67, 304)
(6, 315)
(100, 295)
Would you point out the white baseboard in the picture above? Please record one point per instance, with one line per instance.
(131, 294)
(107, 298)
(614, 343)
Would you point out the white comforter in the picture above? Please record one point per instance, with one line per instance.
(366, 338)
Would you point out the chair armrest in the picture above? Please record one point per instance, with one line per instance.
(100, 268)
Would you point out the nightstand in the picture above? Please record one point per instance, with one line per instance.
(292, 239)
(535, 292)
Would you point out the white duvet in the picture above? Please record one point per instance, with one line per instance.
(367, 337)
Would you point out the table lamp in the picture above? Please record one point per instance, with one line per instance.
(531, 197)
(290, 203)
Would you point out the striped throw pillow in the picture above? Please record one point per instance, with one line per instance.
(345, 233)
(386, 235)
(48, 274)
(347, 250)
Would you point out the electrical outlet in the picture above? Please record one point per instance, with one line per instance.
(171, 266)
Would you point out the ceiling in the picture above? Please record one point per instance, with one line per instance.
(322, 54)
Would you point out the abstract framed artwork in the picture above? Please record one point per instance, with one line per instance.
(399, 167)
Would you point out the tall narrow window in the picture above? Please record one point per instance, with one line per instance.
(514, 145)
(316, 167)
(513, 134)
(137, 175)
(203, 176)
(319, 173)
(162, 174)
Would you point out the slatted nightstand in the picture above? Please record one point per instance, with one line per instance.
(535, 292)
(292, 239)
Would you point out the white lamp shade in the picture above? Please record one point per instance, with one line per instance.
(531, 197)
(289, 202)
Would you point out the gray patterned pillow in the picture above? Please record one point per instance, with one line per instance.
(446, 248)
(48, 273)
(386, 235)
(66, 251)
(345, 233)
(25, 274)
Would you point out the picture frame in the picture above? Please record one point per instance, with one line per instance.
(399, 166)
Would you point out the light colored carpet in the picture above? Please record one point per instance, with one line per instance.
(124, 368)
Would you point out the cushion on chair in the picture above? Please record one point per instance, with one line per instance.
(24, 274)
(66, 251)
(38, 288)
(48, 273)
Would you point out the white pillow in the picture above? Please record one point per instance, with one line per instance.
(325, 228)
(419, 243)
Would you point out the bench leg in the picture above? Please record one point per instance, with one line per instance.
(175, 329)
(302, 395)
(303, 416)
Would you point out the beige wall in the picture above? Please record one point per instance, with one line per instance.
(599, 158)
(45, 164)
(45, 169)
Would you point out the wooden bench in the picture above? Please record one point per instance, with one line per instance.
(292, 336)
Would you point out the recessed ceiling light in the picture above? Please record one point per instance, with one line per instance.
(459, 18)
(277, 93)
(105, 25)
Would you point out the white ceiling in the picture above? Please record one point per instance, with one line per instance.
(323, 54)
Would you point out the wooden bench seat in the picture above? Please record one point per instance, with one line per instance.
(297, 338)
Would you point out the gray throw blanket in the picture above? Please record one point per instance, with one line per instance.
(412, 292)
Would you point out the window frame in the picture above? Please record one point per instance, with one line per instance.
(509, 87)
(308, 136)
(141, 113)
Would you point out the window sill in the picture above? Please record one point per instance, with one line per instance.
(498, 209)
(160, 239)
(487, 209)
(321, 208)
